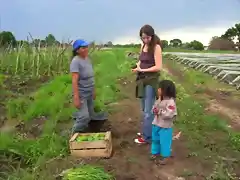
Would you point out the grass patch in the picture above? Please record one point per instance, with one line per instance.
(93, 173)
(53, 101)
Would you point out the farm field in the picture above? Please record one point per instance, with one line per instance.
(35, 120)
(186, 51)
(214, 74)
(224, 67)
(179, 50)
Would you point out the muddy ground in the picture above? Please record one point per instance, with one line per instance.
(131, 161)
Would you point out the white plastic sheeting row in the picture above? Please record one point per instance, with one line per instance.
(223, 67)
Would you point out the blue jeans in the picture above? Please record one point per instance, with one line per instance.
(161, 141)
(148, 116)
(85, 114)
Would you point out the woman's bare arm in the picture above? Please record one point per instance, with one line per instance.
(75, 77)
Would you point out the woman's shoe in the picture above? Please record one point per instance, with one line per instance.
(140, 140)
(139, 134)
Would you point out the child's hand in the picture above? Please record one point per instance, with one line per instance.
(155, 111)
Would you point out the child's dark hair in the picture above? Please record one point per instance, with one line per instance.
(168, 89)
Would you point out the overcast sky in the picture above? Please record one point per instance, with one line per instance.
(118, 20)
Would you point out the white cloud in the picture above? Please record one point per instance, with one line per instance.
(127, 40)
(186, 34)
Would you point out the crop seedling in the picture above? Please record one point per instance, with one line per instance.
(52, 102)
(87, 172)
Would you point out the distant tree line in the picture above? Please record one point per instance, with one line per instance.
(8, 39)
(223, 42)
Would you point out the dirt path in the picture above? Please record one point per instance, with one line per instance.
(131, 161)
(218, 102)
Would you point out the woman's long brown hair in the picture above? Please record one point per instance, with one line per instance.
(149, 31)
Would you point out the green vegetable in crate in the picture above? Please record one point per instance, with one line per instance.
(99, 136)
(93, 137)
(82, 138)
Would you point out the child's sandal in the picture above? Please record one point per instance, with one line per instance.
(163, 161)
(154, 157)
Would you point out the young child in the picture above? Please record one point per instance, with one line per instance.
(165, 112)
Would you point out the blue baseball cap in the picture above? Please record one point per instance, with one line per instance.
(79, 43)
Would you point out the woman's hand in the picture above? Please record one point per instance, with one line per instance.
(137, 68)
(76, 102)
(134, 70)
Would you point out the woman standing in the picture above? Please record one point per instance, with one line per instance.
(147, 68)
(83, 87)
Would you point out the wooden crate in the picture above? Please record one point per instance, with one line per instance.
(100, 148)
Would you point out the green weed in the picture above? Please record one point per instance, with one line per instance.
(53, 101)
(86, 172)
